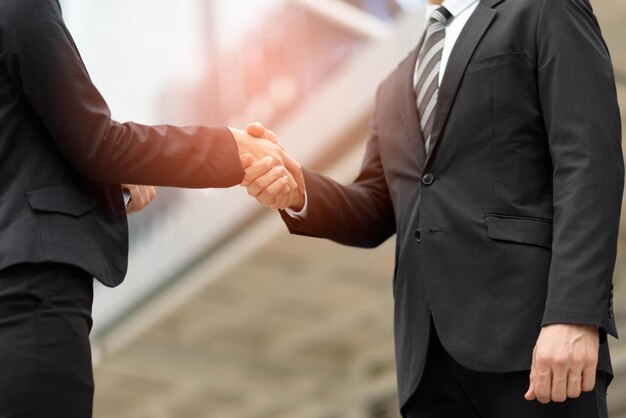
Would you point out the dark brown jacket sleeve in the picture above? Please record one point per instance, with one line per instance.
(39, 54)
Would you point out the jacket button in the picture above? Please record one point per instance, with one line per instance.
(418, 235)
(428, 179)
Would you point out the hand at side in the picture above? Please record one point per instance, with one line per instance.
(564, 362)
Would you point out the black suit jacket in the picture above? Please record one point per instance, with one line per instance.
(511, 222)
(62, 158)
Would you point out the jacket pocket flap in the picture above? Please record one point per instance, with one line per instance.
(521, 230)
(494, 61)
(65, 199)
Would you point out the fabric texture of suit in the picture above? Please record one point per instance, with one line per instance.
(62, 158)
(511, 222)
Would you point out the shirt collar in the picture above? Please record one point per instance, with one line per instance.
(455, 7)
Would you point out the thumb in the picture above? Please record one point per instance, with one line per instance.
(272, 137)
(256, 129)
(295, 170)
(530, 394)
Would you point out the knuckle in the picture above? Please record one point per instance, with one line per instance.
(543, 359)
(267, 195)
(258, 183)
(540, 390)
(264, 200)
(560, 360)
(578, 358)
(267, 165)
(575, 378)
(590, 358)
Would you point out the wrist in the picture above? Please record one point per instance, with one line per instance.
(298, 203)
(241, 140)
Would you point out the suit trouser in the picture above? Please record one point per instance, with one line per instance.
(448, 389)
(45, 357)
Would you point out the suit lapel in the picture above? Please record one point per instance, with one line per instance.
(463, 50)
(407, 101)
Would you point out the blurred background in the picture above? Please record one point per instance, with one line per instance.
(223, 314)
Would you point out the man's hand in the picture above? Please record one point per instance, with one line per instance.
(267, 182)
(257, 147)
(140, 197)
(564, 363)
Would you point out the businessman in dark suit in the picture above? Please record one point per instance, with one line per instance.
(62, 216)
(502, 178)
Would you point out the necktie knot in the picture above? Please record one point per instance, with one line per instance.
(441, 15)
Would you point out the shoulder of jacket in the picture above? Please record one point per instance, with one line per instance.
(12, 11)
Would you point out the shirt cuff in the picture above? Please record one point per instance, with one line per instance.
(302, 214)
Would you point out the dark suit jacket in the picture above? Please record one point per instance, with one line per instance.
(62, 158)
(511, 222)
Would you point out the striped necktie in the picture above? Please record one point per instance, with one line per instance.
(427, 76)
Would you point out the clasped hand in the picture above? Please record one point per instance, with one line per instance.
(272, 177)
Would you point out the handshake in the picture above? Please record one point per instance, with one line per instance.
(271, 175)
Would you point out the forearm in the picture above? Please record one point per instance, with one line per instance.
(39, 54)
(191, 157)
(358, 215)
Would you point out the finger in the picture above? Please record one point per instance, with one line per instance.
(145, 196)
(293, 184)
(543, 378)
(295, 169)
(268, 196)
(130, 209)
(574, 383)
(145, 193)
(134, 204)
(135, 197)
(257, 130)
(530, 394)
(291, 179)
(272, 137)
(283, 199)
(246, 160)
(152, 193)
(589, 378)
(262, 182)
(258, 169)
(559, 383)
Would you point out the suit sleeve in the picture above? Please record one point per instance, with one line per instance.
(40, 56)
(579, 101)
(359, 215)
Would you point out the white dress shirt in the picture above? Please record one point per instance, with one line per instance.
(461, 11)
